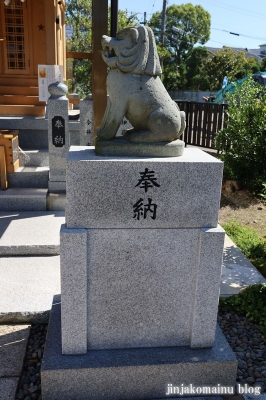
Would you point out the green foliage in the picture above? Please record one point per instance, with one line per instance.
(243, 141)
(263, 194)
(79, 20)
(205, 71)
(263, 64)
(251, 302)
(230, 63)
(163, 52)
(125, 20)
(172, 78)
(254, 65)
(249, 242)
(196, 69)
(194, 24)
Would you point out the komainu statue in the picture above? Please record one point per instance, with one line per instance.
(136, 90)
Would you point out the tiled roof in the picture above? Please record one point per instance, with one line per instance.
(250, 53)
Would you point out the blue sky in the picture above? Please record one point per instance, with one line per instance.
(239, 16)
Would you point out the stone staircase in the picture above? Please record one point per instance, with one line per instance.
(28, 185)
(21, 110)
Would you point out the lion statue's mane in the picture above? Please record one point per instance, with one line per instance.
(136, 91)
(129, 59)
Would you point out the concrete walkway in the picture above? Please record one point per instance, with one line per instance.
(30, 277)
(237, 270)
(13, 342)
(29, 265)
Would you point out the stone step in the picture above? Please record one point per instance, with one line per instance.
(34, 157)
(29, 264)
(30, 233)
(29, 177)
(27, 287)
(23, 199)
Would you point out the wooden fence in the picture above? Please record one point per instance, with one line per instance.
(203, 120)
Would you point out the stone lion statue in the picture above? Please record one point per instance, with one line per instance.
(136, 90)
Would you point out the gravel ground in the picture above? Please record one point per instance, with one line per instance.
(244, 338)
(29, 387)
(249, 346)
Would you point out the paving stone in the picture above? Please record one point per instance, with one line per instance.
(237, 270)
(13, 341)
(8, 388)
(27, 287)
(30, 233)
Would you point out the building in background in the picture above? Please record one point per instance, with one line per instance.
(258, 54)
(32, 32)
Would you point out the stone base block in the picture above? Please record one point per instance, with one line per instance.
(131, 288)
(57, 186)
(120, 146)
(142, 192)
(131, 373)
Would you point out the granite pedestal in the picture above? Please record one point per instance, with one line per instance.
(130, 374)
(141, 256)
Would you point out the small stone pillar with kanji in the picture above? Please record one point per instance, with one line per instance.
(58, 135)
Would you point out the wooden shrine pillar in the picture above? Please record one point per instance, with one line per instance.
(114, 17)
(99, 68)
